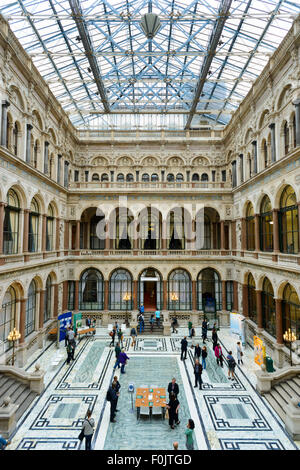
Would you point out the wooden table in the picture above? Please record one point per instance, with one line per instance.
(85, 331)
(158, 399)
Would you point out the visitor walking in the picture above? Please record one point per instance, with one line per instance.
(231, 365)
(214, 337)
(141, 322)
(141, 308)
(184, 345)
(133, 335)
(117, 386)
(88, 429)
(204, 330)
(198, 373)
(157, 316)
(197, 353)
(120, 337)
(173, 408)
(70, 352)
(117, 352)
(112, 397)
(239, 353)
(173, 387)
(219, 354)
(123, 358)
(190, 324)
(189, 432)
(112, 334)
(204, 356)
(174, 324)
(151, 321)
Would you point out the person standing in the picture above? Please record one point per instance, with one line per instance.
(141, 322)
(174, 324)
(214, 337)
(112, 334)
(219, 354)
(157, 316)
(133, 335)
(189, 432)
(204, 330)
(204, 356)
(88, 322)
(120, 337)
(198, 373)
(239, 353)
(173, 407)
(123, 358)
(197, 352)
(184, 345)
(173, 387)
(117, 388)
(231, 365)
(70, 352)
(88, 429)
(151, 321)
(112, 397)
(142, 309)
(118, 352)
(190, 324)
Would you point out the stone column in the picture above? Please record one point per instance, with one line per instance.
(57, 234)
(245, 300)
(65, 296)
(165, 295)
(59, 159)
(241, 168)
(2, 213)
(279, 315)
(29, 128)
(22, 320)
(55, 300)
(44, 222)
(224, 306)
(41, 309)
(273, 142)
(235, 297)
(233, 236)
(135, 294)
(296, 103)
(164, 235)
(46, 158)
(76, 296)
(5, 105)
(194, 295)
(106, 295)
(257, 236)
(66, 236)
(259, 309)
(254, 143)
(276, 247)
(243, 234)
(222, 236)
(26, 232)
(77, 239)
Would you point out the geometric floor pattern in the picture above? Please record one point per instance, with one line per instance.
(228, 415)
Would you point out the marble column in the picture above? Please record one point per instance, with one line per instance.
(222, 236)
(26, 231)
(65, 296)
(224, 306)
(46, 158)
(44, 222)
(241, 168)
(276, 247)
(243, 234)
(257, 235)
(135, 294)
(165, 295)
(77, 238)
(279, 315)
(59, 159)
(194, 295)
(106, 295)
(296, 103)
(245, 300)
(5, 105)
(66, 235)
(273, 142)
(76, 296)
(233, 235)
(29, 128)
(22, 320)
(55, 300)
(57, 234)
(259, 308)
(254, 144)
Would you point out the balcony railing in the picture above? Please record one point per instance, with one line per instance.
(159, 185)
(159, 252)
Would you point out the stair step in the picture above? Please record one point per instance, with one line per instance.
(281, 390)
(287, 389)
(296, 379)
(6, 386)
(27, 399)
(13, 391)
(293, 387)
(274, 404)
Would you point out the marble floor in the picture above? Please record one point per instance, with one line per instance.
(228, 415)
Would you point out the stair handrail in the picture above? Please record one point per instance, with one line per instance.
(266, 380)
(35, 379)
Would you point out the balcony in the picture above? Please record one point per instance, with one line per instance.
(152, 253)
(205, 186)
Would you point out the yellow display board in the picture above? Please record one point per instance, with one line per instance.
(259, 351)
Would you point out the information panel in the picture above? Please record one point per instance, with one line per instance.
(64, 320)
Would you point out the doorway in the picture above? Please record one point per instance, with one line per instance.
(150, 295)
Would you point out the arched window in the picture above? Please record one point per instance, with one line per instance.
(150, 292)
(50, 229)
(286, 138)
(48, 299)
(30, 309)
(252, 309)
(266, 225)
(120, 178)
(204, 177)
(96, 243)
(120, 289)
(8, 316)
(149, 229)
(179, 290)
(291, 310)
(95, 177)
(176, 229)
(33, 230)
(11, 224)
(265, 152)
(91, 290)
(104, 177)
(129, 177)
(209, 291)
(154, 177)
(288, 222)
(170, 178)
(145, 177)
(124, 230)
(179, 178)
(195, 177)
(250, 228)
(268, 308)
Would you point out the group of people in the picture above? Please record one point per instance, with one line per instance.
(173, 414)
(116, 331)
(155, 317)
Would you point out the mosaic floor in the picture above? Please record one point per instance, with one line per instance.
(228, 415)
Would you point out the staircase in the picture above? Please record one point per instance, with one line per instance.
(19, 393)
(282, 393)
(156, 330)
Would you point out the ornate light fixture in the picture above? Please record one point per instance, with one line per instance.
(13, 336)
(127, 298)
(150, 25)
(289, 337)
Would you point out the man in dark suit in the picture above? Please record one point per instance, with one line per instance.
(184, 345)
(198, 373)
(173, 387)
(117, 388)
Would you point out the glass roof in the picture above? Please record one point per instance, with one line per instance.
(127, 80)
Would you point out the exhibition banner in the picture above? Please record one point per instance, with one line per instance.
(64, 320)
(237, 326)
(77, 321)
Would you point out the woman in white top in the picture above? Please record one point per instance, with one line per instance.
(239, 352)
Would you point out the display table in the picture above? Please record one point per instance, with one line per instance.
(148, 397)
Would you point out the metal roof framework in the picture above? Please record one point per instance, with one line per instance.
(106, 73)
